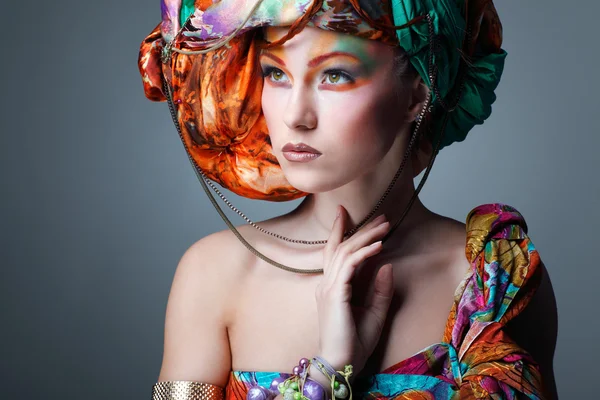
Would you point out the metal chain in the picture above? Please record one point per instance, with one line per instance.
(388, 190)
(359, 225)
(419, 119)
(200, 174)
(166, 57)
(203, 179)
(433, 70)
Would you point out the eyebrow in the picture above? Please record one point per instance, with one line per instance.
(318, 60)
(315, 61)
(272, 56)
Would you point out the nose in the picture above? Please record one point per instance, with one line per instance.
(299, 113)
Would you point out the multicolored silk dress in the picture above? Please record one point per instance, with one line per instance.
(475, 358)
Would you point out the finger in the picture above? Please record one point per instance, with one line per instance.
(374, 222)
(365, 238)
(335, 238)
(347, 270)
(378, 304)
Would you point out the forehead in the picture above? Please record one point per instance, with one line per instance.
(316, 39)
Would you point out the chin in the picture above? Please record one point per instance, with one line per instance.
(314, 181)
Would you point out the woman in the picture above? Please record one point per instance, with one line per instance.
(344, 102)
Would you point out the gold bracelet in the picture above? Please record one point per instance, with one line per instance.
(186, 390)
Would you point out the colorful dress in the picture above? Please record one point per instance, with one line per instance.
(476, 358)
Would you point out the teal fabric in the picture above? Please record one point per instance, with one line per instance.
(483, 71)
(187, 9)
(482, 75)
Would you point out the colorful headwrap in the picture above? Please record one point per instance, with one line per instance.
(217, 93)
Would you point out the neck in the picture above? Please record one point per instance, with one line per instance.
(359, 197)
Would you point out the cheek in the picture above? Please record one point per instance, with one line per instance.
(273, 104)
(361, 120)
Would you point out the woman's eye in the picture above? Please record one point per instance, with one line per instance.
(277, 75)
(337, 77)
(274, 74)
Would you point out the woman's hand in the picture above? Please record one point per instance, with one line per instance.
(345, 339)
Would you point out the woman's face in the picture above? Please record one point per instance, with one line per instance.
(338, 94)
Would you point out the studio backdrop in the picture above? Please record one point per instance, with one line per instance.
(99, 200)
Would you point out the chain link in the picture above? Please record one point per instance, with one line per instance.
(204, 180)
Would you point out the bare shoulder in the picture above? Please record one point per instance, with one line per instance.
(445, 241)
(452, 232)
(199, 309)
(219, 255)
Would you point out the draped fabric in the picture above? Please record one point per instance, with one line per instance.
(475, 359)
(217, 95)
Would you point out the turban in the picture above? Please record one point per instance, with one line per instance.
(205, 53)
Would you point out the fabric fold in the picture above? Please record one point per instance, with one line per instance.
(467, 72)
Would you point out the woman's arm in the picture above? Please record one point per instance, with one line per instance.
(196, 345)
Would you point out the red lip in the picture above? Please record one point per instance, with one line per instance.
(300, 147)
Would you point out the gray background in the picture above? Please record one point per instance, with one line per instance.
(99, 201)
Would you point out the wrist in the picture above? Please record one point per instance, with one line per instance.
(334, 359)
(315, 375)
(338, 364)
(338, 379)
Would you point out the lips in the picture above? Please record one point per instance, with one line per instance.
(300, 148)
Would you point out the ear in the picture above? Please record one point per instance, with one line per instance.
(419, 93)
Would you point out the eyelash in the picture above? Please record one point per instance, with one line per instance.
(268, 70)
(344, 74)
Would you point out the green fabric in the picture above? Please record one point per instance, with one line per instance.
(187, 9)
(483, 73)
(482, 76)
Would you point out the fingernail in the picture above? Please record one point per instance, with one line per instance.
(339, 211)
